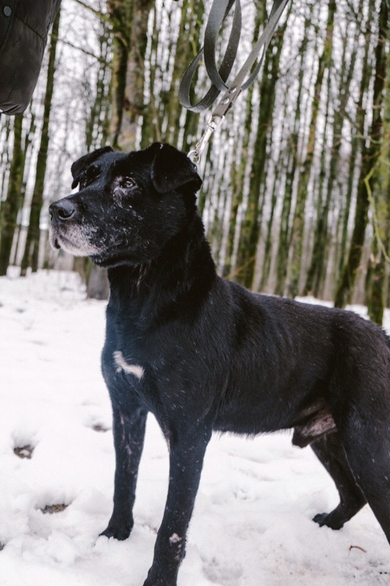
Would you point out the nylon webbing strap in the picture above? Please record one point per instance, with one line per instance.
(218, 77)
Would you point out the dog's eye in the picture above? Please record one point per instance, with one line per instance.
(123, 190)
(128, 183)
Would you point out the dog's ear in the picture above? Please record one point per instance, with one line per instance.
(78, 166)
(172, 169)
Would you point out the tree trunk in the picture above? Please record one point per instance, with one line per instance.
(5, 159)
(379, 189)
(31, 251)
(370, 156)
(11, 206)
(129, 19)
(239, 167)
(356, 141)
(298, 223)
(188, 44)
(97, 116)
(250, 228)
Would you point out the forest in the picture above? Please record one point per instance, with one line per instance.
(296, 182)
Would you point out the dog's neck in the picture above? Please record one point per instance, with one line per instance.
(176, 282)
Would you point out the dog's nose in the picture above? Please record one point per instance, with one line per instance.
(62, 210)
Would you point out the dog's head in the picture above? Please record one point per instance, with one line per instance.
(128, 206)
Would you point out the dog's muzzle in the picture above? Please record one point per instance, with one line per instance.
(60, 213)
(68, 231)
(62, 210)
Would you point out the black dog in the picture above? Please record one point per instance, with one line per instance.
(204, 354)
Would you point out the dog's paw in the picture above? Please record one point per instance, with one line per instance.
(117, 532)
(328, 520)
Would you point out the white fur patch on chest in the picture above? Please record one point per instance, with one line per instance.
(124, 366)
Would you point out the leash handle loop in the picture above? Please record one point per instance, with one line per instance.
(208, 51)
(261, 45)
(219, 11)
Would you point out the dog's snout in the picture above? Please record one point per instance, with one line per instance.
(62, 210)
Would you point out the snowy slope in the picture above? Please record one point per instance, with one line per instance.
(252, 522)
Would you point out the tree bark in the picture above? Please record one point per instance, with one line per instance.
(370, 156)
(298, 223)
(250, 228)
(379, 189)
(129, 19)
(31, 251)
(11, 206)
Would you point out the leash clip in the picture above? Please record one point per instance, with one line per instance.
(213, 123)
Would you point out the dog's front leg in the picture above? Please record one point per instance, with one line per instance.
(186, 461)
(129, 434)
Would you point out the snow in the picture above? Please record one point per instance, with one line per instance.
(252, 522)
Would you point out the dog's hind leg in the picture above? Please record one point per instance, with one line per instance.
(366, 439)
(129, 434)
(331, 454)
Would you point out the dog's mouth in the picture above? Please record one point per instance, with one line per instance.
(63, 243)
(75, 243)
(56, 243)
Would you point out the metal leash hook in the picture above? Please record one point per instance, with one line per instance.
(213, 123)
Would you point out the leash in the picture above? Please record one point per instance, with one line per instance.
(218, 77)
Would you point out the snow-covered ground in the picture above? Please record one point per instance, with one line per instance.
(252, 522)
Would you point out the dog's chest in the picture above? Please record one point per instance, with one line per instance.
(127, 366)
(122, 358)
(121, 366)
